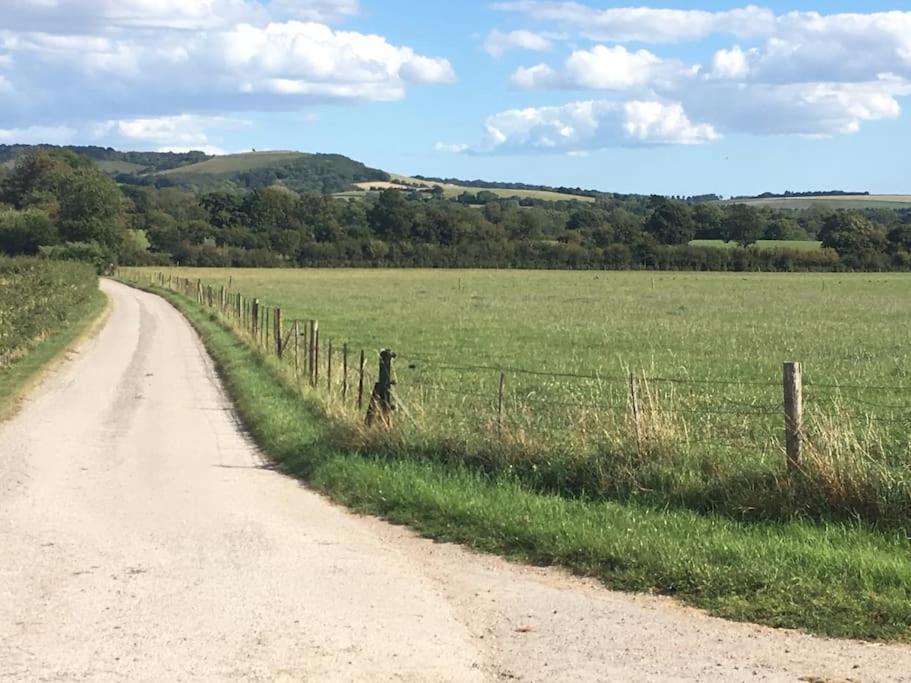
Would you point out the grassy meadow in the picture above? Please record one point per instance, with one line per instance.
(842, 579)
(707, 352)
(799, 245)
(873, 201)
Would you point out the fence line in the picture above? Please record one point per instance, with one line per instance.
(298, 343)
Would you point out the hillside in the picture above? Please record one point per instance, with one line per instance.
(326, 173)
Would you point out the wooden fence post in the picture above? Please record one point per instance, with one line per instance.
(311, 351)
(793, 413)
(360, 382)
(297, 361)
(382, 402)
(345, 371)
(254, 319)
(634, 406)
(279, 351)
(316, 359)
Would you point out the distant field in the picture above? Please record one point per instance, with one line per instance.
(878, 201)
(401, 182)
(233, 163)
(799, 245)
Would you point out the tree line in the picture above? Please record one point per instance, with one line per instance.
(61, 205)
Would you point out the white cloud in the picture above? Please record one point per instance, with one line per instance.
(799, 73)
(170, 133)
(602, 68)
(37, 135)
(88, 16)
(211, 150)
(135, 58)
(594, 124)
(498, 43)
(730, 64)
(644, 24)
(450, 148)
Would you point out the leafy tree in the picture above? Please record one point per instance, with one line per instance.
(708, 218)
(24, 232)
(670, 222)
(92, 209)
(855, 238)
(742, 224)
(390, 217)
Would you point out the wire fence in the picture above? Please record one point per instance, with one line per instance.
(488, 399)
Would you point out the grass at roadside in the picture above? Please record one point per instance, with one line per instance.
(835, 579)
(18, 378)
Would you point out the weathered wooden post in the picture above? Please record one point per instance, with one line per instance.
(634, 407)
(279, 351)
(316, 359)
(360, 382)
(254, 319)
(382, 402)
(793, 413)
(297, 362)
(311, 352)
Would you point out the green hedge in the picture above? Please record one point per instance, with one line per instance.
(38, 296)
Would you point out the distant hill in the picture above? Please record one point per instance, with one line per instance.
(111, 160)
(327, 173)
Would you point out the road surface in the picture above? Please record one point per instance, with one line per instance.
(141, 538)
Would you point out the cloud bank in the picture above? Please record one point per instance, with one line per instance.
(798, 73)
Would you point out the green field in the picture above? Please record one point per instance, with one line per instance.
(678, 514)
(234, 163)
(798, 245)
(707, 350)
(873, 201)
(406, 183)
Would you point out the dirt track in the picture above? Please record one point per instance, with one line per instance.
(141, 538)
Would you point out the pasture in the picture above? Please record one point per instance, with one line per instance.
(798, 245)
(405, 183)
(873, 201)
(707, 353)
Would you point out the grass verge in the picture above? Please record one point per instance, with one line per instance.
(17, 379)
(835, 579)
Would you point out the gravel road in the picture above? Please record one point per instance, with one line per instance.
(141, 538)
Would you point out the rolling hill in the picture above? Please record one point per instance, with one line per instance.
(297, 171)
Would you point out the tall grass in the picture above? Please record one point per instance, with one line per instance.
(708, 435)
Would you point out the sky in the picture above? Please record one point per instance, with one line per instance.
(678, 98)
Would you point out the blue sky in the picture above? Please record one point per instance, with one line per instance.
(673, 98)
